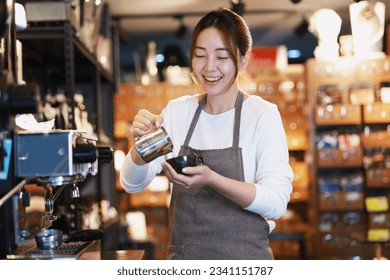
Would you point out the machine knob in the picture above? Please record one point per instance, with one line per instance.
(105, 154)
(84, 153)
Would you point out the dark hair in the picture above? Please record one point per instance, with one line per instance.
(232, 27)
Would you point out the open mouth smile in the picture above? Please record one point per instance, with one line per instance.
(212, 79)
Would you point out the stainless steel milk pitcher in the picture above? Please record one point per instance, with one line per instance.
(153, 144)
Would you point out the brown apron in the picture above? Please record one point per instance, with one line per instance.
(206, 225)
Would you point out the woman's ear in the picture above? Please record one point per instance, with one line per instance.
(244, 61)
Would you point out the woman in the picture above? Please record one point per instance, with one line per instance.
(219, 209)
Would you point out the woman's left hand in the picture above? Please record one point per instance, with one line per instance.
(239, 192)
(194, 176)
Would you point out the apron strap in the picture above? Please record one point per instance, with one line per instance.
(237, 119)
(191, 129)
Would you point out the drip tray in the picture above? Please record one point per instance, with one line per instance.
(73, 250)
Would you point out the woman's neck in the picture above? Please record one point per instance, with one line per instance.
(220, 104)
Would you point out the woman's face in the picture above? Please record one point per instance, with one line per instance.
(212, 64)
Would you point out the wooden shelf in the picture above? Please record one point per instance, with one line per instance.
(378, 220)
(377, 113)
(338, 114)
(378, 178)
(334, 158)
(340, 200)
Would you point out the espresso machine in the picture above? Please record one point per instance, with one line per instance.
(56, 160)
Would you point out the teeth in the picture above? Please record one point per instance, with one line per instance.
(212, 79)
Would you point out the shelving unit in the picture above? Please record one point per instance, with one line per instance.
(344, 95)
(54, 57)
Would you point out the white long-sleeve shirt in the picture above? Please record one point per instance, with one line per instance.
(262, 139)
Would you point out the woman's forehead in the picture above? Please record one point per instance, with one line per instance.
(210, 38)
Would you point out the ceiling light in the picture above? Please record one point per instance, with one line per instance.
(302, 28)
(181, 31)
(295, 1)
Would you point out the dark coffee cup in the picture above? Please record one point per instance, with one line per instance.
(178, 163)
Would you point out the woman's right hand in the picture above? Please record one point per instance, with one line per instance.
(145, 121)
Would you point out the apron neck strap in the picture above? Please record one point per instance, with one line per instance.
(237, 119)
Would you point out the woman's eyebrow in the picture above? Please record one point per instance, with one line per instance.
(221, 49)
(217, 49)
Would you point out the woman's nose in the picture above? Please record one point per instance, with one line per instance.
(210, 64)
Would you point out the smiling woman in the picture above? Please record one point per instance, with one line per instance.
(245, 177)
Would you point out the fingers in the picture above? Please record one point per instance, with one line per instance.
(159, 121)
(173, 176)
(192, 171)
(192, 175)
(145, 121)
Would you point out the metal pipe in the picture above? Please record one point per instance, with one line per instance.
(14, 190)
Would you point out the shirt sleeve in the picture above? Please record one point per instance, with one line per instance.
(273, 174)
(135, 178)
